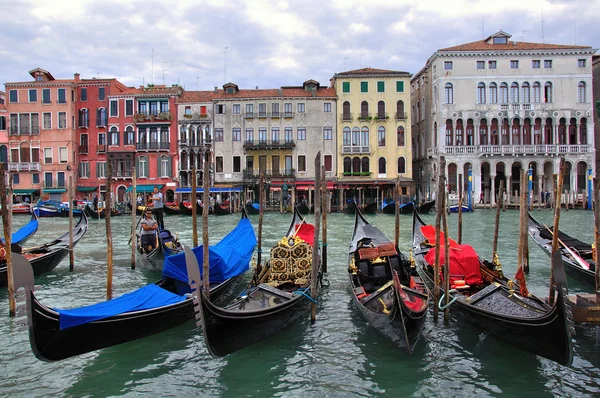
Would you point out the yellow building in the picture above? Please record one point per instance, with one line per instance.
(373, 133)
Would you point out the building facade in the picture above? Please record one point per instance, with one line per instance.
(275, 131)
(596, 84)
(499, 106)
(420, 100)
(42, 140)
(373, 133)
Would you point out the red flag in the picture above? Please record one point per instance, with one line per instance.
(520, 278)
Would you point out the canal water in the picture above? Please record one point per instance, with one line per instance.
(340, 355)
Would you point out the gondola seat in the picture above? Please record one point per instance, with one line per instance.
(373, 274)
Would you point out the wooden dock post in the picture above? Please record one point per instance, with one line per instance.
(6, 223)
(460, 212)
(397, 213)
(596, 207)
(71, 254)
(557, 202)
(441, 208)
(523, 210)
(447, 261)
(315, 254)
(497, 227)
(194, 203)
(261, 212)
(109, 244)
(133, 210)
(324, 208)
(205, 204)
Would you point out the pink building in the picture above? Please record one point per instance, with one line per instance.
(42, 140)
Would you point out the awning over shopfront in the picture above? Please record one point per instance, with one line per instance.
(304, 186)
(145, 187)
(25, 191)
(212, 189)
(87, 189)
(54, 190)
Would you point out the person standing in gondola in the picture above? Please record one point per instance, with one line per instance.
(148, 229)
(157, 199)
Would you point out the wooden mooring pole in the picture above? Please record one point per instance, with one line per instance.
(109, 244)
(324, 210)
(6, 223)
(523, 210)
(460, 212)
(315, 254)
(261, 212)
(497, 228)
(194, 200)
(438, 218)
(557, 203)
(205, 204)
(397, 213)
(133, 214)
(447, 261)
(71, 205)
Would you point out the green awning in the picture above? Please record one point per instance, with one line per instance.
(145, 187)
(24, 191)
(87, 189)
(54, 190)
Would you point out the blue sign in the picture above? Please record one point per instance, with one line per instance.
(469, 189)
(590, 189)
(529, 185)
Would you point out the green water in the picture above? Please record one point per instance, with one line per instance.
(338, 356)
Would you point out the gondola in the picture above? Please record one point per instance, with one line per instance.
(46, 257)
(278, 291)
(221, 210)
(405, 208)
(26, 231)
(101, 213)
(370, 208)
(303, 208)
(50, 208)
(426, 207)
(350, 208)
(454, 209)
(56, 334)
(166, 245)
(171, 209)
(252, 208)
(187, 210)
(576, 255)
(139, 209)
(488, 300)
(21, 208)
(388, 293)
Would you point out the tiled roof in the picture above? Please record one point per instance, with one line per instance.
(275, 93)
(482, 45)
(371, 71)
(156, 90)
(50, 82)
(196, 96)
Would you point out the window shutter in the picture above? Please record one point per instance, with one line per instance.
(137, 166)
(146, 165)
(169, 171)
(400, 86)
(98, 170)
(158, 170)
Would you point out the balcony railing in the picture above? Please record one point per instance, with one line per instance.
(83, 149)
(55, 184)
(196, 116)
(24, 167)
(162, 117)
(509, 150)
(152, 146)
(122, 173)
(400, 115)
(255, 174)
(350, 149)
(346, 117)
(269, 144)
(35, 130)
(194, 143)
(101, 148)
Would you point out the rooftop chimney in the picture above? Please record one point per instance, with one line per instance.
(216, 88)
(76, 77)
(256, 87)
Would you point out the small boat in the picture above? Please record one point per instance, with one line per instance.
(388, 293)
(186, 208)
(221, 210)
(139, 209)
(405, 208)
(483, 296)
(370, 208)
(252, 208)
(101, 213)
(577, 255)
(50, 208)
(303, 208)
(279, 290)
(21, 208)
(171, 209)
(454, 209)
(26, 231)
(56, 334)
(166, 245)
(426, 207)
(46, 257)
(351, 207)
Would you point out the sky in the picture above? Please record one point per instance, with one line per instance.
(264, 43)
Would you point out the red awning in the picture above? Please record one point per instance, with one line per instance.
(305, 186)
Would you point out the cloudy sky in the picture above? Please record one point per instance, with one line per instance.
(265, 43)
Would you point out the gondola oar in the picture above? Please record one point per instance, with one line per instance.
(139, 220)
(580, 261)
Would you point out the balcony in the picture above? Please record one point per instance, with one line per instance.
(101, 148)
(194, 143)
(152, 146)
(50, 184)
(364, 116)
(24, 167)
(510, 150)
(159, 118)
(269, 144)
(35, 130)
(400, 115)
(381, 116)
(356, 173)
(346, 117)
(122, 173)
(356, 149)
(83, 149)
(197, 116)
(255, 174)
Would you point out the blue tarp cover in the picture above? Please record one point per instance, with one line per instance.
(212, 189)
(148, 297)
(256, 206)
(24, 232)
(228, 258)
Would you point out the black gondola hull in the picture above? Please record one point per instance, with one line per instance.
(303, 208)
(100, 214)
(407, 208)
(172, 210)
(251, 209)
(370, 208)
(426, 207)
(220, 210)
(351, 208)
(188, 210)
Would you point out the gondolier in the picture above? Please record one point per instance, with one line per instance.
(157, 199)
(148, 232)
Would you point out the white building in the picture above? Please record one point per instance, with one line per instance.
(499, 105)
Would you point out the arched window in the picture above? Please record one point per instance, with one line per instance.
(470, 140)
(356, 165)
(346, 111)
(400, 110)
(3, 154)
(536, 92)
(347, 136)
(548, 92)
(182, 133)
(142, 169)
(381, 136)
(401, 165)
(581, 93)
(504, 93)
(493, 93)
(164, 166)
(128, 136)
(481, 93)
(483, 138)
(101, 117)
(400, 136)
(2, 123)
(459, 132)
(381, 110)
(113, 138)
(448, 94)
(364, 109)
(84, 118)
(355, 136)
(347, 165)
(382, 168)
(183, 162)
(449, 137)
(365, 165)
(583, 131)
(526, 94)
(514, 93)
(364, 136)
